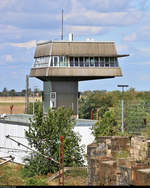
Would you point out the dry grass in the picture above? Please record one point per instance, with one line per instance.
(17, 99)
(17, 102)
(11, 174)
(18, 108)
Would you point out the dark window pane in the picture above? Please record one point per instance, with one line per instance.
(61, 58)
(51, 61)
(76, 61)
(87, 62)
(92, 61)
(81, 61)
(71, 61)
(55, 61)
(102, 59)
(96, 62)
(106, 59)
(102, 64)
(111, 59)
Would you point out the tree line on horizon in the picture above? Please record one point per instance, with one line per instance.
(12, 92)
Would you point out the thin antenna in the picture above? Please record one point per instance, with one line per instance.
(62, 25)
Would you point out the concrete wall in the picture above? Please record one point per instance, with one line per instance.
(66, 94)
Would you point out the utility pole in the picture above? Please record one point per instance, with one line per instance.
(61, 161)
(35, 87)
(27, 95)
(122, 107)
(62, 23)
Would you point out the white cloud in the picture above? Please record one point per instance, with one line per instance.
(8, 58)
(131, 37)
(146, 63)
(6, 3)
(94, 18)
(28, 45)
(144, 51)
(141, 34)
(85, 30)
(144, 77)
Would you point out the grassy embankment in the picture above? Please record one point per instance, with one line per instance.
(13, 174)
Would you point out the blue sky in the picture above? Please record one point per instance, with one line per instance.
(25, 22)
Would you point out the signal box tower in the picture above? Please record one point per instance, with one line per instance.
(61, 64)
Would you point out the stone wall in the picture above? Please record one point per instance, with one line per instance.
(106, 168)
(140, 148)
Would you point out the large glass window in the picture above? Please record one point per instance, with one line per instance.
(87, 61)
(81, 61)
(76, 61)
(102, 61)
(112, 62)
(96, 62)
(116, 62)
(106, 61)
(55, 61)
(92, 62)
(71, 61)
(61, 62)
(51, 59)
(65, 61)
(41, 62)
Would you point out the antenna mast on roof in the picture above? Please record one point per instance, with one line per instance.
(62, 25)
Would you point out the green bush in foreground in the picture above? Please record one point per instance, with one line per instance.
(43, 135)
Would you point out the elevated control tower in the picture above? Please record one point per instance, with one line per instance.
(61, 64)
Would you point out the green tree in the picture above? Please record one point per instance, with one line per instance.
(5, 92)
(37, 105)
(12, 92)
(107, 125)
(43, 135)
(99, 101)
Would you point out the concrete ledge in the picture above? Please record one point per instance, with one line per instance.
(82, 73)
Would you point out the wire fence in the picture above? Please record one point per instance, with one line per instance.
(136, 115)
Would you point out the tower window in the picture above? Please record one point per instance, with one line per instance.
(92, 61)
(81, 61)
(87, 61)
(55, 61)
(71, 61)
(106, 61)
(76, 61)
(96, 62)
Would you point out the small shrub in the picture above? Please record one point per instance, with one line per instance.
(34, 181)
(122, 154)
(77, 172)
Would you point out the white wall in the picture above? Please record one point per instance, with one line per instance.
(18, 133)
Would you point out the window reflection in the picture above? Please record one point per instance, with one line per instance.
(62, 61)
(87, 60)
(92, 62)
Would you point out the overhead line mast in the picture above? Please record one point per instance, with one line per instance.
(62, 22)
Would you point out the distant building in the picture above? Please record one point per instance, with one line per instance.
(61, 64)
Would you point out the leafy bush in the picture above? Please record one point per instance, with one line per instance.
(34, 181)
(37, 105)
(43, 135)
(107, 125)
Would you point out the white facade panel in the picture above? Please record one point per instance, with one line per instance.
(17, 132)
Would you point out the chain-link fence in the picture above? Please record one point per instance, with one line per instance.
(136, 113)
